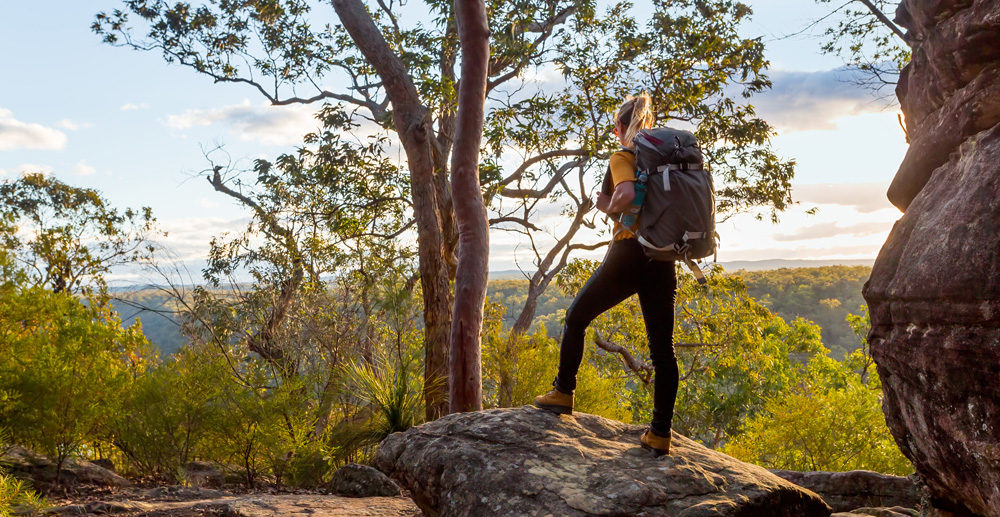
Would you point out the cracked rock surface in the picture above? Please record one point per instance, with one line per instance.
(527, 461)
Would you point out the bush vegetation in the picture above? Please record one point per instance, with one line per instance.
(754, 385)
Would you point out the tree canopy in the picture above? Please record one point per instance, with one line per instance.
(67, 238)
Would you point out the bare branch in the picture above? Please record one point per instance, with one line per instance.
(542, 157)
(519, 220)
(556, 179)
(642, 370)
(884, 19)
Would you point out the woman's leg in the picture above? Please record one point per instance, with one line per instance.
(657, 293)
(615, 280)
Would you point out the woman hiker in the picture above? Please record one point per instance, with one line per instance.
(624, 272)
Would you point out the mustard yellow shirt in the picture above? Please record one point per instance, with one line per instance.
(622, 169)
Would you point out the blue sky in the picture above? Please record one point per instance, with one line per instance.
(135, 128)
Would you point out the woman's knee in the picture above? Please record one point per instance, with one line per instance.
(576, 319)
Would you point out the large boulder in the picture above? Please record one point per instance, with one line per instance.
(847, 491)
(353, 480)
(41, 470)
(528, 461)
(934, 293)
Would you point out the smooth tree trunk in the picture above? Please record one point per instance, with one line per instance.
(465, 386)
(413, 125)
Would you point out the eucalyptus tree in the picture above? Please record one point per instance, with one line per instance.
(465, 353)
(557, 70)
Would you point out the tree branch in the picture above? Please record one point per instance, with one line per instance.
(642, 370)
(556, 179)
(884, 19)
(511, 219)
(542, 157)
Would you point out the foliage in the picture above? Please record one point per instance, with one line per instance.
(831, 420)
(220, 401)
(516, 367)
(68, 237)
(742, 354)
(834, 430)
(166, 418)
(868, 41)
(390, 390)
(194, 407)
(16, 499)
(64, 363)
(823, 295)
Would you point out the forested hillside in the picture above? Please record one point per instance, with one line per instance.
(157, 312)
(823, 295)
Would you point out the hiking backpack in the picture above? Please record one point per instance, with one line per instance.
(677, 217)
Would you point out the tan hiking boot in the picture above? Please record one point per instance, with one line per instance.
(659, 445)
(556, 402)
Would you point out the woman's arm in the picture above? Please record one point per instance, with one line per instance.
(619, 200)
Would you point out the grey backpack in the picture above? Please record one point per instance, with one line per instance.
(677, 218)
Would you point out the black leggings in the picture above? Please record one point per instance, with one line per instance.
(624, 272)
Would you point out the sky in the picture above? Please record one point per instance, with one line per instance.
(141, 131)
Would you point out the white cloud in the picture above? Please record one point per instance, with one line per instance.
(188, 238)
(846, 226)
(132, 107)
(832, 229)
(863, 197)
(207, 203)
(264, 123)
(82, 169)
(15, 134)
(804, 101)
(26, 168)
(73, 126)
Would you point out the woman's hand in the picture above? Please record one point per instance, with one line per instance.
(603, 202)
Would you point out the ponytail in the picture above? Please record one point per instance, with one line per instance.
(636, 113)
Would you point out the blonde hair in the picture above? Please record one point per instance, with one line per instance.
(636, 113)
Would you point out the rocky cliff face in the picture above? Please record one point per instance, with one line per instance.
(527, 461)
(934, 293)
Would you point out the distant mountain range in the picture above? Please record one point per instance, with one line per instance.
(736, 265)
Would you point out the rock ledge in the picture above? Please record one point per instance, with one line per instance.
(527, 461)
